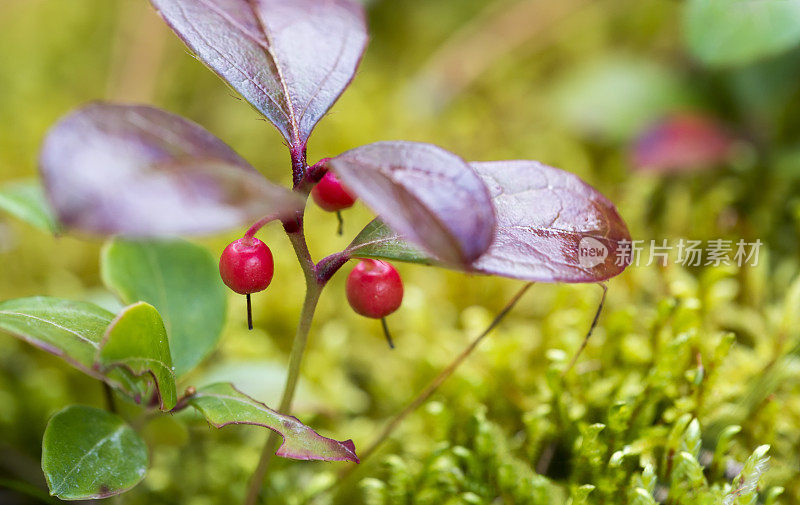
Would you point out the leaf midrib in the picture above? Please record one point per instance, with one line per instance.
(68, 330)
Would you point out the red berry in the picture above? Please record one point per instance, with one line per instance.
(331, 195)
(374, 289)
(246, 265)
(682, 143)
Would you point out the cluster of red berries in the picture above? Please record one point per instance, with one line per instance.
(374, 288)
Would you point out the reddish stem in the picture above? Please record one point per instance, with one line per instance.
(251, 232)
(299, 166)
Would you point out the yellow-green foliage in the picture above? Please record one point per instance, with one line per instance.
(690, 375)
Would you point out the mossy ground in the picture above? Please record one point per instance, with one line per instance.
(691, 371)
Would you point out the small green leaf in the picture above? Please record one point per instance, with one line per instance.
(746, 483)
(738, 32)
(222, 404)
(378, 241)
(641, 496)
(137, 341)
(179, 279)
(580, 495)
(89, 453)
(26, 200)
(71, 330)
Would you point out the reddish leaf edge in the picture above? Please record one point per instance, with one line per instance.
(351, 251)
(349, 445)
(465, 260)
(297, 144)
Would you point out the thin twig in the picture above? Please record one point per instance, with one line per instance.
(591, 329)
(436, 382)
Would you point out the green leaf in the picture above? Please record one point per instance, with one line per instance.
(179, 279)
(746, 483)
(137, 341)
(378, 241)
(580, 495)
(89, 453)
(738, 32)
(26, 200)
(71, 330)
(222, 404)
(615, 98)
(641, 496)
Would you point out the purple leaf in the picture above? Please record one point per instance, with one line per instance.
(139, 171)
(222, 404)
(551, 226)
(291, 59)
(428, 195)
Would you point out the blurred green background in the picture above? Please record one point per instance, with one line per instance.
(570, 83)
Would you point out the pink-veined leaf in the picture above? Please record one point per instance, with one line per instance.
(291, 59)
(222, 405)
(428, 195)
(551, 226)
(139, 171)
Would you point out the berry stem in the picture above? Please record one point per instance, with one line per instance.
(251, 232)
(340, 229)
(249, 312)
(387, 333)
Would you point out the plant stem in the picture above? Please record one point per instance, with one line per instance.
(313, 292)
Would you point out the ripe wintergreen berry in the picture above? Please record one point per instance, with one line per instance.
(375, 290)
(331, 195)
(246, 266)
